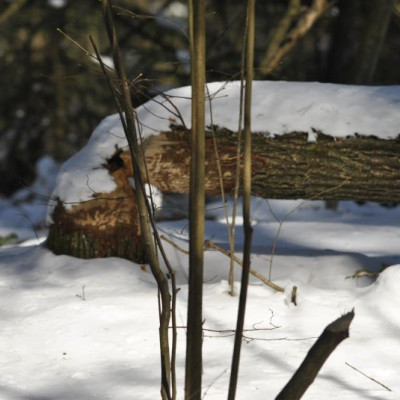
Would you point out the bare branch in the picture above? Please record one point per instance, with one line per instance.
(12, 9)
(305, 23)
(247, 183)
(256, 274)
(369, 377)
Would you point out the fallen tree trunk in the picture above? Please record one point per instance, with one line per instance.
(361, 168)
(286, 167)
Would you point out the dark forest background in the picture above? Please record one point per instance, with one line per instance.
(53, 94)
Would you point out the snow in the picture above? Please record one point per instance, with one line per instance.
(106, 60)
(25, 212)
(83, 175)
(282, 107)
(57, 3)
(278, 108)
(88, 329)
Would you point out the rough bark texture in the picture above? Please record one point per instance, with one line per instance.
(287, 167)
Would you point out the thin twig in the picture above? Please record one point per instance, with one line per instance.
(150, 210)
(87, 52)
(369, 377)
(259, 276)
(276, 238)
(172, 243)
(230, 231)
(110, 85)
(230, 332)
(209, 244)
(175, 113)
(32, 223)
(150, 16)
(213, 383)
(238, 160)
(247, 183)
(143, 204)
(151, 213)
(250, 339)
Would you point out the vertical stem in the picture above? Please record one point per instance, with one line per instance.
(375, 32)
(148, 243)
(196, 202)
(232, 227)
(248, 230)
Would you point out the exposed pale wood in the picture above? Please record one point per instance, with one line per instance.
(287, 167)
(103, 227)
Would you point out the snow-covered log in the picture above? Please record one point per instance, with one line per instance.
(310, 141)
(286, 167)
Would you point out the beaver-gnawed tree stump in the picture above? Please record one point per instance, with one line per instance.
(105, 226)
(362, 168)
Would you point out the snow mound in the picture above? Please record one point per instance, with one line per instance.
(83, 174)
(386, 288)
(282, 107)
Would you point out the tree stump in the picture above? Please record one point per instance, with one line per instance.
(361, 168)
(106, 226)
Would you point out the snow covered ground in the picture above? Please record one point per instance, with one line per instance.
(87, 329)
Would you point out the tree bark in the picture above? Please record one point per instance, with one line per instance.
(357, 168)
(330, 338)
(194, 334)
(285, 167)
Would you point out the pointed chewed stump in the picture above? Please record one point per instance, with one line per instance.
(104, 226)
(331, 337)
